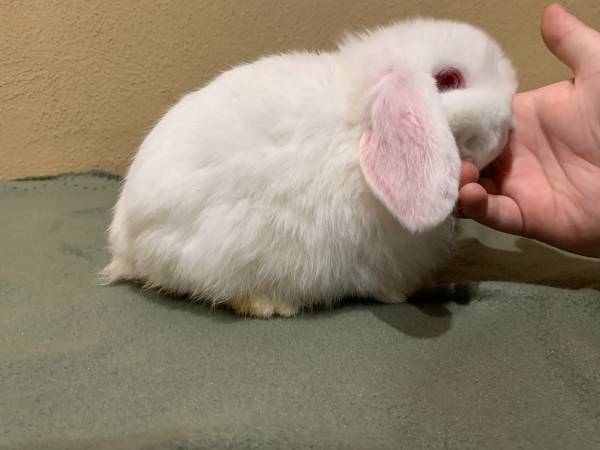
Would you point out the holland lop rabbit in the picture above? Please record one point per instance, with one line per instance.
(304, 178)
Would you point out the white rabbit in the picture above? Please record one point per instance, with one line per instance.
(304, 178)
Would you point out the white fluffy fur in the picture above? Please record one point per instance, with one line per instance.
(251, 186)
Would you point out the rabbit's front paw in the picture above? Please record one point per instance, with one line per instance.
(262, 307)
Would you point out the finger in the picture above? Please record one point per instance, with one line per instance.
(473, 195)
(571, 41)
(468, 173)
(495, 211)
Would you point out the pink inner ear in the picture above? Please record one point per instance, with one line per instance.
(406, 153)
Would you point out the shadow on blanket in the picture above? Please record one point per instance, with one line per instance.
(535, 263)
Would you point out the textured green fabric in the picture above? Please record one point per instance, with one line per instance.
(499, 364)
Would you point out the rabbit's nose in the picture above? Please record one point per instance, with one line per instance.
(481, 146)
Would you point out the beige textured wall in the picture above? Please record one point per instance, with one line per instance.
(82, 81)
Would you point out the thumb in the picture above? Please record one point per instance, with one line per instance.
(574, 43)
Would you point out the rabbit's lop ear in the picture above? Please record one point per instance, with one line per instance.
(408, 154)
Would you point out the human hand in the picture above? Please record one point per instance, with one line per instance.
(547, 181)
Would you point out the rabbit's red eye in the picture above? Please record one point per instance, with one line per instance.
(448, 79)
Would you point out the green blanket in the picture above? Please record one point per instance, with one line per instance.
(511, 362)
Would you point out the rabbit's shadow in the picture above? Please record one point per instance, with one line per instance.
(183, 303)
(425, 315)
(428, 313)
